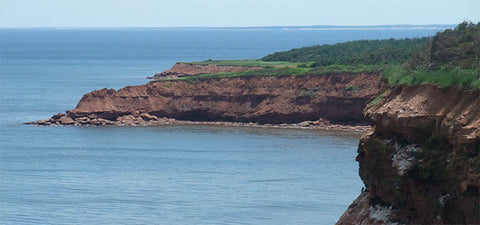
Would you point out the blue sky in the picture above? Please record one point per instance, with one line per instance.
(220, 13)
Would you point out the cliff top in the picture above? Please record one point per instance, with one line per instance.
(450, 58)
(280, 71)
(245, 63)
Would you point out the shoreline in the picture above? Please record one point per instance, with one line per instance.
(310, 125)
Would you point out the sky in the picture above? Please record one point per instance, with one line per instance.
(232, 13)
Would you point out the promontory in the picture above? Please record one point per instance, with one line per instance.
(419, 163)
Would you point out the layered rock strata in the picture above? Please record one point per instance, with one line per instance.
(334, 98)
(420, 164)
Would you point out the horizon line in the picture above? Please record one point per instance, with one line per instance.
(230, 27)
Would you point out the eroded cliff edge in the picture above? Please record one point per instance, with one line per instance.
(189, 69)
(420, 164)
(337, 98)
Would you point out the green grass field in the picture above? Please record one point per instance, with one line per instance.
(287, 71)
(394, 74)
(443, 77)
(244, 62)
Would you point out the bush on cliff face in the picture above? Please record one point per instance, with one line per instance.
(443, 77)
(458, 47)
(451, 58)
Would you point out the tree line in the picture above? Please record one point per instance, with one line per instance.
(366, 52)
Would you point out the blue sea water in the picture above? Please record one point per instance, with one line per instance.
(159, 175)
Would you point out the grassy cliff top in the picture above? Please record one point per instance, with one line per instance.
(450, 58)
(287, 71)
(244, 62)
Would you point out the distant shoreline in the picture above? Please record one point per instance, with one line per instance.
(308, 27)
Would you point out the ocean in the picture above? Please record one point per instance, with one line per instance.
(168, 174)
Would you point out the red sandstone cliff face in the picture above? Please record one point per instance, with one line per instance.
(421, 163)
(188, 69)
(339, 98)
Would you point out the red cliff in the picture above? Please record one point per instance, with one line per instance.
(421, 163)
(339, 98)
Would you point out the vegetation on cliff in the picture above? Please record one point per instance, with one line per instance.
(458, 47)
(288, 71)
(364, 56)
(451, 58)
(245, 62)
(366, 52)
(444, 76)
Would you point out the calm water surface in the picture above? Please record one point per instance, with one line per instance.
(159, 175)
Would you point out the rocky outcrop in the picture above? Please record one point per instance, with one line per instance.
(420, 164)
(334, 98)
(189, 69)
